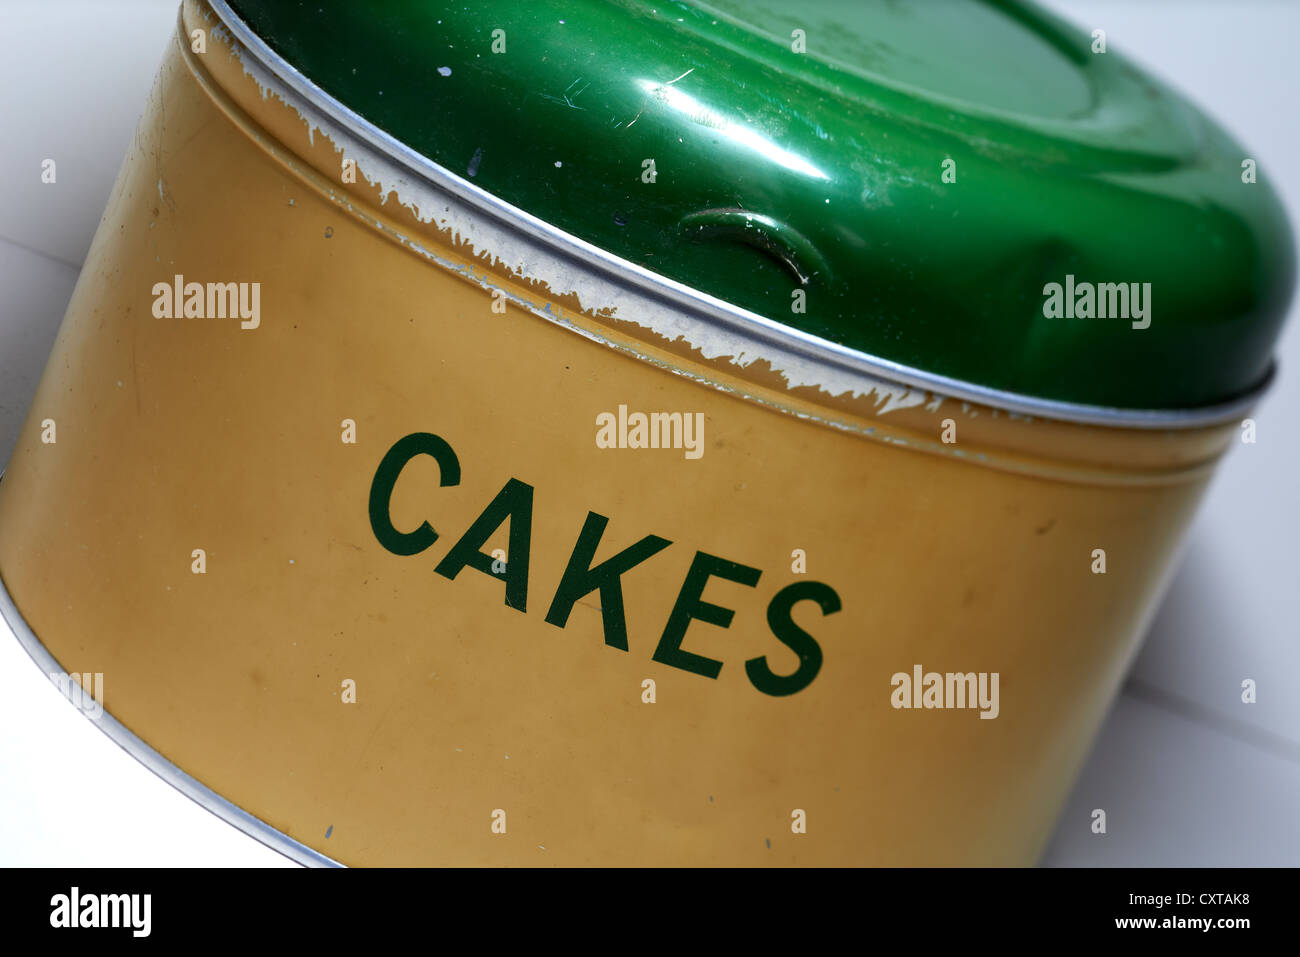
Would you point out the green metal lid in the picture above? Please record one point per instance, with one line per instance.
(923, 172)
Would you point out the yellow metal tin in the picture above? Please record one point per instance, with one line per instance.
(482, 732)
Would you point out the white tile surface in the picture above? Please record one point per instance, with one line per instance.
(1177, 793)
(74, 76)
(34, 292)
(1233, 610)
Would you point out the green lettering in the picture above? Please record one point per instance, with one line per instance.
(793, 637)
(513, 502)
(381, 490)
(690, 606)
(581, 579)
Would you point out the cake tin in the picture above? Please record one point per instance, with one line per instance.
(637, 434)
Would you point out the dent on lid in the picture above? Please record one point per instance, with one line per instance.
(959, 187)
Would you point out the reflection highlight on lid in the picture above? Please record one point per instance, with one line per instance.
(697, 112)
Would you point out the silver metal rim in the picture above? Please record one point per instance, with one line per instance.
(773, 338)
(198, 793)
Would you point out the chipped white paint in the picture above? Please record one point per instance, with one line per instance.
(524, 257)
(608, 287)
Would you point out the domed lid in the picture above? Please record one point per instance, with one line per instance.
(971, 190)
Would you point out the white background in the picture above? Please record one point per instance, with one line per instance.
(1187, 773)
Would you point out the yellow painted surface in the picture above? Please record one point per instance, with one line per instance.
(183, 434)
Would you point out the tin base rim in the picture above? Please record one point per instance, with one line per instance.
(133, 745)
